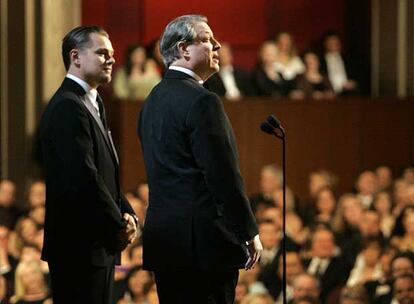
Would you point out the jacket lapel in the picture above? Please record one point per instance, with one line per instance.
(71, 85)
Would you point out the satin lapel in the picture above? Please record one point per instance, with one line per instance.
(106, 135)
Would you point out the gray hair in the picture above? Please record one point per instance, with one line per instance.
(181, 29)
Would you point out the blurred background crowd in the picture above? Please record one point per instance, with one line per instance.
(323, 72)
(349, 248)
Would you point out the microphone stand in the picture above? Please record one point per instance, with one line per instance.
(269, 127)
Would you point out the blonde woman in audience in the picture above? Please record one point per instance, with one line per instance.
(138, 76)
(347, 217)
(368, 264)
(267, 80)
(30, 286)
(383, 205)
(258, 299)
(288, 63)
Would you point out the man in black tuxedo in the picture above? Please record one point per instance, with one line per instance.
(199, 228)
(88, 221)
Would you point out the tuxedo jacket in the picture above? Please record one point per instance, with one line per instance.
(198, 214)
(216, 85)
(84, 203)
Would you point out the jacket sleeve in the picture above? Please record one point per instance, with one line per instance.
(215, 152)
(72, 141)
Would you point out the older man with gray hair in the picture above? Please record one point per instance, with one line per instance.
(199, 228)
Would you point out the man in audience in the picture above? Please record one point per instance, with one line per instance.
(403, 289)
(9, 212)
(230, 82)
(366, 187)
(271, 237)
(380, 291)
(384, 178)
(305, 284)
(325, 263)
(337, 67)
(294, 267)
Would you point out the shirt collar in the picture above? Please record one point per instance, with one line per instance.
(89, 91)
(188, 72)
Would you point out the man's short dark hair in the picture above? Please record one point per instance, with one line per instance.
(78, 38)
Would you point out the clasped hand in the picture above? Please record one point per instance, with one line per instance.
(127, 235)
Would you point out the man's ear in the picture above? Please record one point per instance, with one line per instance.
(183, 49)
(74, 57)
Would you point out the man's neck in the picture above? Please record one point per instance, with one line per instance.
(78, 75)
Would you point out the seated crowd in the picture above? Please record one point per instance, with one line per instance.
(346, 248)
(280, 72)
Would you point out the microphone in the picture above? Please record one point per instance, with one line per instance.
(274, 122)
(267, 128)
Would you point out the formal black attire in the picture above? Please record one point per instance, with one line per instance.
(84, 204)
(333, 277)
(198, 216)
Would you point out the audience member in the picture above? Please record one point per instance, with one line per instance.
(353, 295)
(270, 181)
(306, 285)
(326, 263)
(135, 283)
(312, 83)
(30, 285)
(384, 178)
(366, 187)
(9, 212)
(383, 205)
(138, 76)
(231, 81)
(258, 299)
(288, 63)
(266, 79)
(367, 266)
(338, 67)
(404, 289)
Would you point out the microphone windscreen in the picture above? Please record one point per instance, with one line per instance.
(267, 128)
(274, 121)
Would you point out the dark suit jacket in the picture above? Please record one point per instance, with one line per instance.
(216, 85)
(198, 214)
(335, 275)
(83, 200)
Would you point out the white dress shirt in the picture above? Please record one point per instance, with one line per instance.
(229, 82)
(188, 72)
(91, 93)
(336, 71)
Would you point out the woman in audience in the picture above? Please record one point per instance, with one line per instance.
(138, 76)
(406, 241)
(258, 299)
(136, 282)
(267, 80)
(288, 63)
(347, 218)
(30, 285)
(367, 265)
(325, 206)
(383, 205)
(312, 84)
